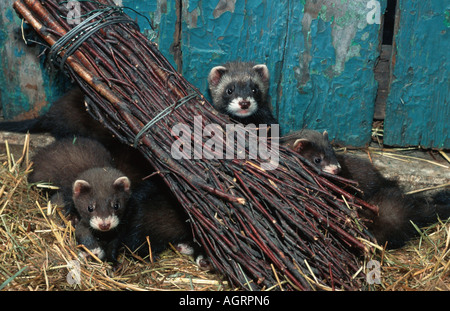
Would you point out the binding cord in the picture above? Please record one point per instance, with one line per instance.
(162, 114)
(73, 39)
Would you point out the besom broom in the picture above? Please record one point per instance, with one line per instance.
(288, 228)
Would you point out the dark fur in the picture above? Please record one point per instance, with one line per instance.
(396, 210)
(314, 147)
(105, 193)
(64, 160)
(245, 80)
(84, 162)
(155, 212)
(68, 118)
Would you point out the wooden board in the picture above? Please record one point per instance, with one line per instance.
(26, 86)
(417, 109)
(321, 56)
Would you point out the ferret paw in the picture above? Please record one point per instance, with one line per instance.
(184, 248)
(204, 263)
(98, 251)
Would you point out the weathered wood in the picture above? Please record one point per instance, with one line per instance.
(25, 88)
(417, 109)
(321, 56)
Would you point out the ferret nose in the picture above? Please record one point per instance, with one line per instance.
(335, 171)
(104, 226)
(244, 104)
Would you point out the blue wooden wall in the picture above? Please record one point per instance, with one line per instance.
(418, 110)
(26, 86)
(321, 55)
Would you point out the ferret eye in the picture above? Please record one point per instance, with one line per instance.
(317, 160)
(90, 208)
(116, 205)
(255, 90)
(230, 90)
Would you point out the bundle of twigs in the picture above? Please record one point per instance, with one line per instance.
(286, 228)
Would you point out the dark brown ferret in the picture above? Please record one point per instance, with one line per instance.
(314, 147)
(66, 117)
(241, 90)
(100, 196)
(392, 226)
(154, 213)
(94, 193)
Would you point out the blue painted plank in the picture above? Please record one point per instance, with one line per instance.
(28, 87)
(163, 18)
(328, 79)
(215, 32)
(321, 56)
(417, 109)
(25, 86)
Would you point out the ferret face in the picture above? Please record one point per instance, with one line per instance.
(316, 148)
(240, 99)
(321, 160)
(101, 204)
(239, 89)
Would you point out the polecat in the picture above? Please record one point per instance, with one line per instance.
(100, 197)
(95, 194)
(392, 226)
(155, 213)
(240, 90)
(68, 118)
(313, 146)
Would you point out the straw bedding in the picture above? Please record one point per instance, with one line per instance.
(38, 251)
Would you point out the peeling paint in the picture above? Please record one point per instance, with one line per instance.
(320, 53)
(346, 17)
(191, 12)
(418, 107)
(224, 6)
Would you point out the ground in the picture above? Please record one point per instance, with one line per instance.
(37, 249)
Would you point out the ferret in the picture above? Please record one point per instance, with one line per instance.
(100, 197)
(315, 147)
(392, 226)
(155, 213)
(94, 193)
(68, 118)
(240, 90)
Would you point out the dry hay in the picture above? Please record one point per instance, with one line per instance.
(423, 264)
(38, 251)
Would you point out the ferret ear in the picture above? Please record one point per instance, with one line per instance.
(80, 187)
(263, 71)
(300, 144)
(325, 135)
(122, 184)
(216, 74)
